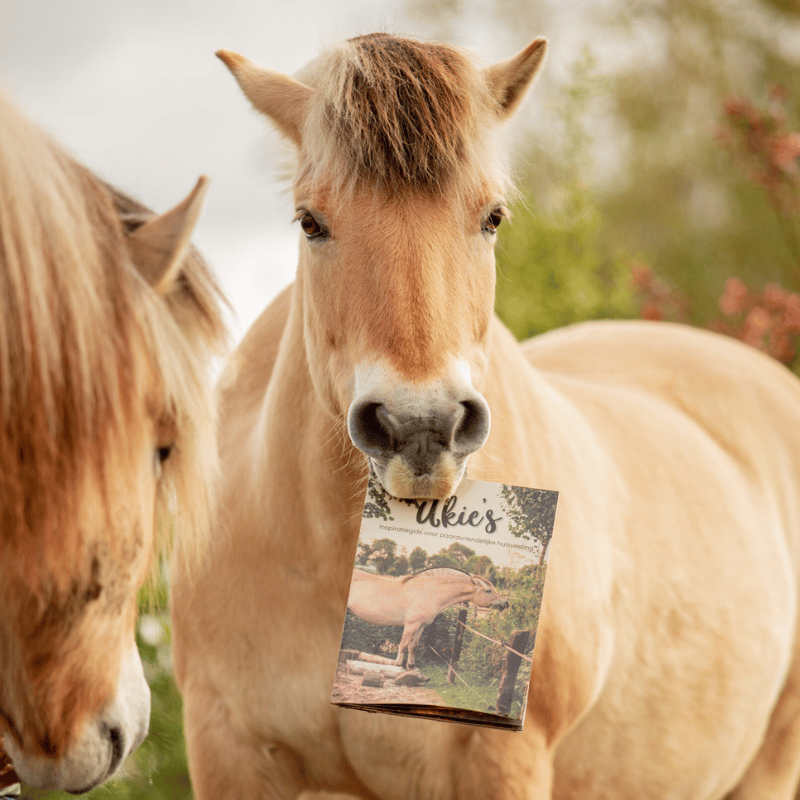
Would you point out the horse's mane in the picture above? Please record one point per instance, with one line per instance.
(433, 572)
(83, 337)
(393, 113)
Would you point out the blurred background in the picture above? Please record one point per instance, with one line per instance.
(656, 161)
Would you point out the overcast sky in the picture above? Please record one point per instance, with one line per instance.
(134, 91)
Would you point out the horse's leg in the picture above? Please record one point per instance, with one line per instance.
(225, 761)
(413, 644)
(775, 771)
(402, 650)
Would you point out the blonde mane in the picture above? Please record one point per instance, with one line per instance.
(82, 336)
(396, 115)
(436, 572)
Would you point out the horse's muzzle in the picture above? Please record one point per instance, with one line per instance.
(382, 433)
(418, 436)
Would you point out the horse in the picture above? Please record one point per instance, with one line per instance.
(108, 323)
(667, 660)
(415, 600)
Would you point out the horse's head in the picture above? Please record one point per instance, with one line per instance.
(399, 192)
(104, 399)
(485, 595)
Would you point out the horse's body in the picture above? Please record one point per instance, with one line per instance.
(107, 324)
(414, 601)
(667, 654)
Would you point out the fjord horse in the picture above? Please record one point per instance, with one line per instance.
(666, 659)
(414, 601)
(107, 326)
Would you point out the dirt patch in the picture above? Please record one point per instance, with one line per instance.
(348, 689)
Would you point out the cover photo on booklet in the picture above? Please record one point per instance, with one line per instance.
(444, 604)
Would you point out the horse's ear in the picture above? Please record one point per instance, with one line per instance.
(509, 80)
(159, 247)
(281, 98)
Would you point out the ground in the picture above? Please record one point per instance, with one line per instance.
(348, 689)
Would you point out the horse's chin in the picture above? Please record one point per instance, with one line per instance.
(400, 480)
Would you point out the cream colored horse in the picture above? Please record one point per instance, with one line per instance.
(666, 661)
(414, 601)
(107, 325)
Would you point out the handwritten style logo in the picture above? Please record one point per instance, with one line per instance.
(446, 515)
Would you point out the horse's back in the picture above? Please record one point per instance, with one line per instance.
(647, 354)
(248, 370)
(652, 355)
(744, 401)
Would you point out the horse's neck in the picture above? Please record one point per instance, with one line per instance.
(311, 480)
(537, 435)
(449, 591)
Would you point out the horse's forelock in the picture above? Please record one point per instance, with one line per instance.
(395, 114)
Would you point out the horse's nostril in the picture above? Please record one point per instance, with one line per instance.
(117, 741)
(381, 430)
(473, 427)
(369, 428)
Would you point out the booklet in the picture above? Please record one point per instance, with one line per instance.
(444, 603)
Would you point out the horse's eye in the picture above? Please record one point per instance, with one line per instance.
(311, 227)
(160, 455)
(492, 222)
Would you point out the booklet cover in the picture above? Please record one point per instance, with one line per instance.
(444, 603)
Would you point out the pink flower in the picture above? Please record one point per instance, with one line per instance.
(642, 276)
(651, 311)
(785, 152)
(756, 325)
(734, 298)
(774, 296)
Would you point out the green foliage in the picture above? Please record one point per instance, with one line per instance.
(363, 554)
(383, 554)
(639, 164)
(553, 269)
(681, 199)
(368, 638)
(417, 559)
(443, 559)
(399, 567)
(554, 266)
(481, 565)
(460, 552)
(437, 641)
(482, 661)
(531, 513)
(376, 505)
(480, 665)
